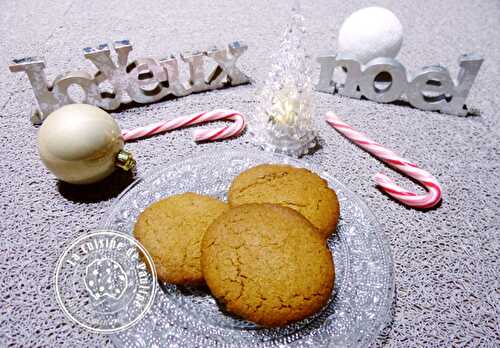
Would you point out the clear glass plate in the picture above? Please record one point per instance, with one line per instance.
(360, 304)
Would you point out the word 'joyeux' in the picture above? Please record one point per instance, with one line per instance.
(145, 80)
(432, 88)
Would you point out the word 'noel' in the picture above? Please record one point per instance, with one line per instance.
(432, 87)
(145, 80)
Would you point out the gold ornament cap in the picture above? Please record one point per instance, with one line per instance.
(125, 160)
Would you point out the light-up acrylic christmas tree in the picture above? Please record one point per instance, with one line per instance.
(283, 121)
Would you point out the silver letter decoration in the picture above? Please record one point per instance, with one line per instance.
(432, 88)
(145, 80)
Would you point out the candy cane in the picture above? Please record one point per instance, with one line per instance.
(199, 134)
(427, 200)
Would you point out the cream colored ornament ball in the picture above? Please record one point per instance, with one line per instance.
(79, 143)
(371, 32)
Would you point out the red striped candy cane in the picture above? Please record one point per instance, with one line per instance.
(198, 134)
(412, 199)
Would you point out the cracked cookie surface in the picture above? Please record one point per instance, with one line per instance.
(267, 264)
(296, 188)
(172, 229)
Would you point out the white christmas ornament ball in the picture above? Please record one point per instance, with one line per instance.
(370, 33)
(78, 143)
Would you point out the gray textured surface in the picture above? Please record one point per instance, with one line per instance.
(446, 260)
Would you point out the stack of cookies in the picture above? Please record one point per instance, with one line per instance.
(263, 254)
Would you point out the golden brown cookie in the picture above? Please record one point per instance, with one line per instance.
(296, 188)
(172, 229)
(267, 263)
